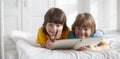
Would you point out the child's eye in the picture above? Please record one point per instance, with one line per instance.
(58, 25)
(78, 28)
(50, 24)
(86, 29)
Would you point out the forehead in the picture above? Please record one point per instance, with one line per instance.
(53, 23)
(56, 21)
(82, 27)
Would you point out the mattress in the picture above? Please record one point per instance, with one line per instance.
(10, 49)
(28, 49)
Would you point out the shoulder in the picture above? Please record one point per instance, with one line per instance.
(98, 33)
(71, 35)
(41, 34)
(67, 31)
(40, 30)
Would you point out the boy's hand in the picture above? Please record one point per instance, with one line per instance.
(83, 48)
(90, 47)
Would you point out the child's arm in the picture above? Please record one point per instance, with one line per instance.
(49, 42)
(101, 46)
(90, 47)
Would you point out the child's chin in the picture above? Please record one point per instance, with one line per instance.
(82, 37)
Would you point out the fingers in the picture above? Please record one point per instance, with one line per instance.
(50, 41)
(82, 48)
(56, 36)
(52, 38)
(48, 44)
(89, 47)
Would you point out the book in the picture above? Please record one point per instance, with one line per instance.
(76, 43)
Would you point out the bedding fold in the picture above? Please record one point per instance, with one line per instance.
(26, 50)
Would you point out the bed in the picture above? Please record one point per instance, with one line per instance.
(10, 50)
(28, 49)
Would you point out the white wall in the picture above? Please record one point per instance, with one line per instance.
(83, 6)
(1, 31)
(105, 13)
(70, 9)
(118, 15)
(23, 15)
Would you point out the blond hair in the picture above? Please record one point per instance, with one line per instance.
(85, 20)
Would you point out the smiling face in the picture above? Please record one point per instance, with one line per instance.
(82, 32)
(84, 25)
(53, 20)
(53, 29)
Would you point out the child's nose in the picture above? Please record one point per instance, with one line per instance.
(82, 31)
(54, 28)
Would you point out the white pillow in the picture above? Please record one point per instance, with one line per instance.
(113, 40)
(17, 35)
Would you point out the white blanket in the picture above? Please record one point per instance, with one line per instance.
(28, 51)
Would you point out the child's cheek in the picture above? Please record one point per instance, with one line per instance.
(60, 28)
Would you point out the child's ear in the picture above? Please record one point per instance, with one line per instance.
(93, 31)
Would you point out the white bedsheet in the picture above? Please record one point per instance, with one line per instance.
(28, 51)
(10, 49)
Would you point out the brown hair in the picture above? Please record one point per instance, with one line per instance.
(85, 20)
(54, 15)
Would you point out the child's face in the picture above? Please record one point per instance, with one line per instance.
(54, 29)
(82, 32)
